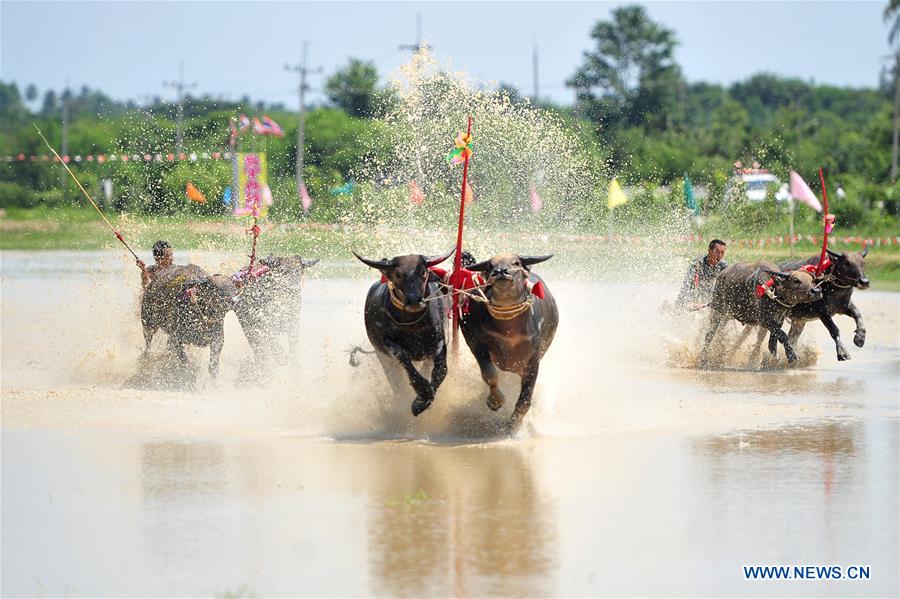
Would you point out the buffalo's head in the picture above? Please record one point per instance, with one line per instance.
(849, 268)
(507, 276)
(408, 276)
(214, 295)
(796, 286)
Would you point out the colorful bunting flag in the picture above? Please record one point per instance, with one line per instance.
(801, 191)
(194, 194)
(615, 197)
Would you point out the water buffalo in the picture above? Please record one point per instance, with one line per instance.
(270, 305)
(190, 306)
(758, 294)
(513, 329)
(845, 271)
(405, 317)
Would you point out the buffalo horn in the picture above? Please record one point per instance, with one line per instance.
(313, 262)
(834, 255)
(529, 260)
(865, 251)
(379, 264)
(781, 275)
(483, 266)
(435, 260)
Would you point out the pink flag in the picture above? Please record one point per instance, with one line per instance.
(801, 191)
(416, 196)
(305, 200)
(536, 202)
(271, 127)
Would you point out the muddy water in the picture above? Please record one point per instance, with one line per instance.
(635, 473)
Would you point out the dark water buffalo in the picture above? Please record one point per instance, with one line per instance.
(847, 270)
(190, 306)
(736, 295)
(270, 305)
(513, 329)
(406, 320)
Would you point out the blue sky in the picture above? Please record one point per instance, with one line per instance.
(231, 49)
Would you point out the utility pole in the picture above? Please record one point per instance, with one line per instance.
(896, 115)
(534, 64)
(303, 71)
(418, 45)
(64, 146)
(180, 86)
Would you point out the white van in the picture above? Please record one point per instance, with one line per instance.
(755, 184)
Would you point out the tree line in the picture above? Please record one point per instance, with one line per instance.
(648, 124)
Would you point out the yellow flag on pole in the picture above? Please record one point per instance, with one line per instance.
(616, 196)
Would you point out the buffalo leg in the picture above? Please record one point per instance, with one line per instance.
(835, 333)
(754, 354)
(797, 327)
(176, 347)
(440, 367)
(716, 319)
(490, 376)
(776, 333)
(148, 337)
(529, 377)
(740, 340)
(859, 339)
(215, 350)
(773, 345)
(424, 392)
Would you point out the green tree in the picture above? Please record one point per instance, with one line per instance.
(353, 88)
(630, 74)
(13, 112)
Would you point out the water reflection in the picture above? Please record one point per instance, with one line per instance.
(463, 520)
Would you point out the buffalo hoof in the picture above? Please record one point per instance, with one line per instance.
(859, 339)
(495, 400)
(419, 405)
(791, 357)
(842, 355)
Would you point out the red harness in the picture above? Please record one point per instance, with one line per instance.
(810, 268)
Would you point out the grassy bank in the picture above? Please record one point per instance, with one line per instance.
(82, 229)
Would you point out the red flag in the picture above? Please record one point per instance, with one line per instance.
(469, 196)
(416, 196)
(305, 200)
(536, 202)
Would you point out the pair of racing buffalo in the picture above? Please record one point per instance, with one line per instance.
(508, 322)
(190, 306)
(764, 295)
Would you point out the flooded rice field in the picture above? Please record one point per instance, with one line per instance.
(635, 473)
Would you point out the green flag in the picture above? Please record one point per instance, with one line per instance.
(689, 201)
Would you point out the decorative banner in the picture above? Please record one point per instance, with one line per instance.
(536, 202)
(801, 191)
(194, 194)
(416, 195)
(251, 185)
(615, 197)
